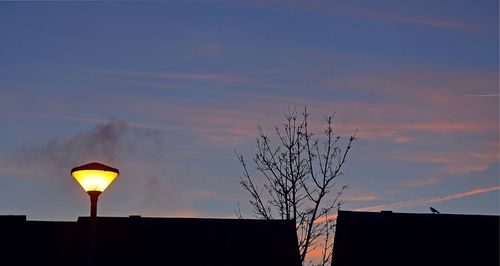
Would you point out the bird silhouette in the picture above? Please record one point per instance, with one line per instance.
(434, 210)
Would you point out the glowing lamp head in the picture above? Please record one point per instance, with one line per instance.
(94, 176)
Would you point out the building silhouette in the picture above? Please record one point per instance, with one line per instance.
(137, 240)
(386, 238)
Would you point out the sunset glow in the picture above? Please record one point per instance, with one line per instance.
(168, 91)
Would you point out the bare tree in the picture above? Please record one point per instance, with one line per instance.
(300, 171)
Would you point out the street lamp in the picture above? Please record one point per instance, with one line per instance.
(94, 178)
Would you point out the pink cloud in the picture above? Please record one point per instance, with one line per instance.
(493, 95)
(403, 139)
(415, 111)
(423, 182)
(210, 49)
(440, 23)
(421, 20)
(204, 194)
(421, 95)
(366, 197)
(222, 78)
(464, 168)
(13, 170)
(437, 85)
(454, 162)
(153, 211)
(190, 213)
(397, 131)
(398, 122)
(213, 77)
(232, 125)
(358, 195)
(428, 201)
(182, 213)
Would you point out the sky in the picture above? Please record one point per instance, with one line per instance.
(168, 91)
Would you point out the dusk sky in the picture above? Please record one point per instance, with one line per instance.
(167, 91)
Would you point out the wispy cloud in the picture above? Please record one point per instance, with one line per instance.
(214, 77)
(358, 195)
(210, 49)
(438, 127)
(440, 23)
(398, 123)
(483, 95)
(180, 213)
(401, 17)
(171, 76)
(428, 201)
(453, 162)
(10, 170)
(367, 197)
(422, 182)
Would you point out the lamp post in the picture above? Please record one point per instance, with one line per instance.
(94, 179)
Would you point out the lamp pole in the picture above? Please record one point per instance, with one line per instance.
(94, 178)
(93, 241)
(94, 196)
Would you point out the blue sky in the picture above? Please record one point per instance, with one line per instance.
(177, 87)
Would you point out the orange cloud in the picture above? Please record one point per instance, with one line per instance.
(358, 195)
(404, 139)
(182, 213)
(315, 254)
(324, 218)
(367, 197)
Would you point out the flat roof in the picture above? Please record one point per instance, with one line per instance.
(388, 238)
(139, 240)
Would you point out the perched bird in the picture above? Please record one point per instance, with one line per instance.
(434, 210)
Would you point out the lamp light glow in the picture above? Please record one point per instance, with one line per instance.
(94, 176)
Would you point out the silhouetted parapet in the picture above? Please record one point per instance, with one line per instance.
(139, 240)
(12, 239)
(387, 238)
(12, 219)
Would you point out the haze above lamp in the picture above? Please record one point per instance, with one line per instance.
(94, 179)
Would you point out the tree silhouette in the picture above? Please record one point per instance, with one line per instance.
(300, 171)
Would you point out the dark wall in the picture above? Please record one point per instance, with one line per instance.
(150, 241)
(364, 238)
(39, 243)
